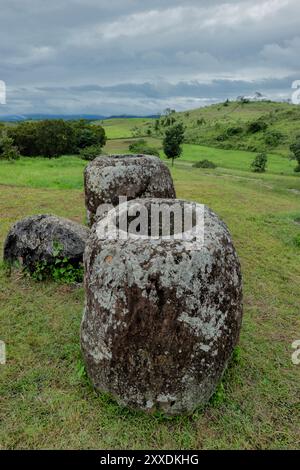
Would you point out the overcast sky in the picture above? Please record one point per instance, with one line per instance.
(139, 57)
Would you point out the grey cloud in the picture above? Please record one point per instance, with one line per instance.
(140, 55)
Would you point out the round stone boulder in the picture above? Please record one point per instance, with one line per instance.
(135, 176)
(39, 237)
(162, 314)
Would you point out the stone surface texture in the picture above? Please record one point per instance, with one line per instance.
(161, 320)
(32, 240)
(134, 176)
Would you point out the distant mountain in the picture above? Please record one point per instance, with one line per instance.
(67, 117)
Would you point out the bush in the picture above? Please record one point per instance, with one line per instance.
(273, 138)
(7, 149)
(61, 270)
(204, 164)
(87, 134)
(91, 152)
(295, 149)
(141, 147)
(297, 241)
(257, 126)
(233, 130)
(259, 163)
(25, 137)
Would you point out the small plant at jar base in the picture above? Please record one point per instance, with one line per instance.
(60, 269)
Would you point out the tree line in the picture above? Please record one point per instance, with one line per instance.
(50, 138)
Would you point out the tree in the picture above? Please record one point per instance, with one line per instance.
(51, 138)
(259, 163)
(87, 134)
(55, 137)
(172, 143)
(295, 148)
(7, 149)
(25, 137)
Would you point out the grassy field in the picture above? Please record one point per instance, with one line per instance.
(124, 128)
(46, 400)
(230, 159)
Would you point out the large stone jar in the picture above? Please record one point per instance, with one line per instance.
(135, 176)
(162, 316)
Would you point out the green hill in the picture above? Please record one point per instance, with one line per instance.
(252, 126)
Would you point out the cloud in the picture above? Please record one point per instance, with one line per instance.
(118, 54)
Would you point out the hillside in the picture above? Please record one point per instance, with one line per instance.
(252, 126)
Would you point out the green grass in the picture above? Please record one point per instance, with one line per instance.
(122, 145)
(124, 127)
(60, 173)
(229, 159)
(236, 159)
(46, 400)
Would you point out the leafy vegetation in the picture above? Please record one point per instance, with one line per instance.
(140, 146)
(91, 152)
(61, 269)
(8, 151)
(173, 140)
(55, 137)
(259, 163)
(204, 164)
(295, 148)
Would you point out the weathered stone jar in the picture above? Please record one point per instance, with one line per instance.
(134, 176)
(162, 316)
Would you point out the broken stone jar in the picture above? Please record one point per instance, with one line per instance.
(132, 176)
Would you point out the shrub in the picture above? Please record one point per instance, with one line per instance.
(259, 163)
(61, 270)
(25, 137)
(295, 149)
(141, 147)
(233, 130)
(8, 151)
(87, 134)
(257, 126)
(297, 241)
(204, 164)
(91, 152)
(201, 121)
(273, 138)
